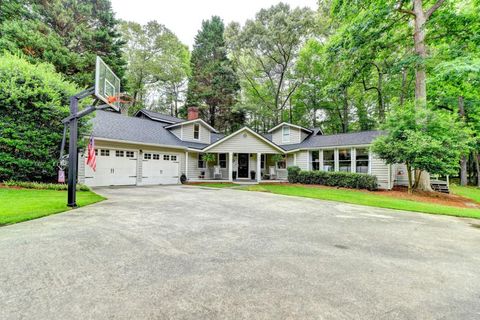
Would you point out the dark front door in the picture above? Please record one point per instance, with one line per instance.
(243, 165)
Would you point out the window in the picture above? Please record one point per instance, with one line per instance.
(105, 152)
(328, 160)
(282, 164)
(222, 160)
(285, 134)
(147, 156)
(200, 163)
(156, 156)
(166, 157)
(96, 152)
(130, 154)
(315, 160)
(119, 153)
(361, 159)
(344, 160)
(173, 158)
(262, 161)
(196, 131)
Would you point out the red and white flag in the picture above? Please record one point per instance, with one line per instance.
(91, 158)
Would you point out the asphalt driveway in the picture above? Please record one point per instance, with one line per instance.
(183, 252)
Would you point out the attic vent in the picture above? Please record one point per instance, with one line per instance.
(244, 135)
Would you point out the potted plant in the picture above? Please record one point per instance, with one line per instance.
(252, 175)
(209, 158)
(277, 158)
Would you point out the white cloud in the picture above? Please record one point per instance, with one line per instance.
(184, 17)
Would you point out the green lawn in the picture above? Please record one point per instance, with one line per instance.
(365, 198)
(217, 184)
(18, 205)
(467, 192)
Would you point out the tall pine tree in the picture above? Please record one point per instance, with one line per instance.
(213, 85)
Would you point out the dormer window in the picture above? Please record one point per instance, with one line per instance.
(285, 134)
(196, 131)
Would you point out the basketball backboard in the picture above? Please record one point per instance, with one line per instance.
(107, 85)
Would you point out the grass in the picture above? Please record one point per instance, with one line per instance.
(17, 205)
(467, 192)
(217, 184)
(365, 198)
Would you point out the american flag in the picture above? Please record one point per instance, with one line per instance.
(91, 158)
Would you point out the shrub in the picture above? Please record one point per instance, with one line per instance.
(33, 101)
(42, 186)
(333, 179)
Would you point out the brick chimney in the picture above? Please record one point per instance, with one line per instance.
(192, 113)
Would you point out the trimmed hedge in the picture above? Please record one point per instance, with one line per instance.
(43, 186)
(333, 179)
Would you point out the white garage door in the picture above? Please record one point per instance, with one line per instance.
(160, 168)
(114, 168)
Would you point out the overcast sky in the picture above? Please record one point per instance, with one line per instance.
(184, 17)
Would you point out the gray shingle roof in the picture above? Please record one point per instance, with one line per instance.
(160, 116)
(111, 125)
(343, 139)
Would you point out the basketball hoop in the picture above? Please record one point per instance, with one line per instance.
(123, 100)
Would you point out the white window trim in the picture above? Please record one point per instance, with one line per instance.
(198, 160)
(226, 160)
(196, 124)
(283, 134)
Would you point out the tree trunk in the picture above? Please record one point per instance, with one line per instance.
(463, 160)
(476, 159)
(421, 51)
(404, 86)
(345, 111)
(409, 175)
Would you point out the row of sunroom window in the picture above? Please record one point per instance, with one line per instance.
(346, 160)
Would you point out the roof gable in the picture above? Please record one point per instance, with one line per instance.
(246, 147)
(290, 125)
(212, 129)
(155, 116)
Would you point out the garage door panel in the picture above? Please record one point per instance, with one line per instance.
(159, 168)
(113, 168)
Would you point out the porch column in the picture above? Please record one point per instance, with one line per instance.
(259, 167)
(230, 166)
(186, 164)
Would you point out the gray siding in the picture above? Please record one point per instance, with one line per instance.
(295, 136)
(244, 142)
(381, 170)
(177, 131)
(187, 133)
(302, 160)
(400, 175)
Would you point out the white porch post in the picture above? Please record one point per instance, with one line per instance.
(186, 164)
(336, 157)
(259, 167)
(230, 166)
(353, 160)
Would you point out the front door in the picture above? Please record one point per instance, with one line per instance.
(243, 165)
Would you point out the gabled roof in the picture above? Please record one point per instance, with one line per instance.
(250, 131)
(335, 140)
(192, 121)
(290, 125)
(114, 126)
(158, 116)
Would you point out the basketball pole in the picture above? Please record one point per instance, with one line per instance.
(73, 154)
(73, 143)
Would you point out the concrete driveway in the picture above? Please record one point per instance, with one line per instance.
(183, 252)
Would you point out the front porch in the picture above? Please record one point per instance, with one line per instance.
(235, 167)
